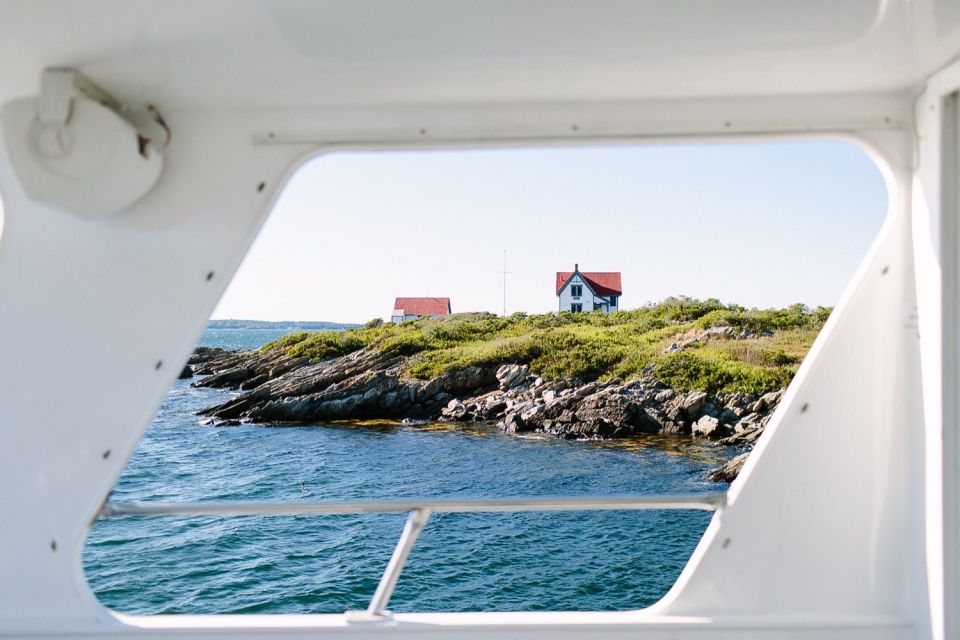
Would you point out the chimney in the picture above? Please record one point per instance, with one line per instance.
(576, 267)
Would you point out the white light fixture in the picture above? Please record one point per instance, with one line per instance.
(75, 149)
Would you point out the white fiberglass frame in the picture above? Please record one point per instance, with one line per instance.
(867, 579)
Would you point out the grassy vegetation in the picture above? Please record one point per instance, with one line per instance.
(590, 346)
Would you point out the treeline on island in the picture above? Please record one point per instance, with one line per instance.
(681, 367)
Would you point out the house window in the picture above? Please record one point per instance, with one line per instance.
(613, 301)
(576, 290)
(597, 305)
(576, 308)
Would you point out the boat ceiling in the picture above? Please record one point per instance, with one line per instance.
(252, 54)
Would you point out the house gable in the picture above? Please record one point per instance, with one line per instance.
(600, 283)
(575, 279)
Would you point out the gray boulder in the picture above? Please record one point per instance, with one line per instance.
(455, 410)
(708, 427)
(729, 471)
(514, 423)
(511, 375)
(665, 395)
(693, 403)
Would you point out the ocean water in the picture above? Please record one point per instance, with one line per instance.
(325, 564)
(249, 334)
(230, 338)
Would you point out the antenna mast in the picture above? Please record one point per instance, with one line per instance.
(505, 273)
(504, 283)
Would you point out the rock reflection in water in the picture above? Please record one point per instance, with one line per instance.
(702, 451)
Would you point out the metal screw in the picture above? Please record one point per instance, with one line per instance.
(158, 365)
(261, 186)
(106, 454)
(803, 409)
(209, 276)
(53, 546)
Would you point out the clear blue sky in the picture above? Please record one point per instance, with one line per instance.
(759, 224)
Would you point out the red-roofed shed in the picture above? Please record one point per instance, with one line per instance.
(409, 308)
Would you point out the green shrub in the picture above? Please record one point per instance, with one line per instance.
(405, 344)
(326, 344)
(626, 344)
(687, 371)
(775, 358)
(287, 341)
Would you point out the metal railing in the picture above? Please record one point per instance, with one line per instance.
(419, 513)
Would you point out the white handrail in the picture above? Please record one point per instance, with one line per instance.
(388, 581)
(419, 511)
(705, 502)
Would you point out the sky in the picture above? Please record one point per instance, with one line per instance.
(757, 224)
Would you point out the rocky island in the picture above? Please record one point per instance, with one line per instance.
(683, 367)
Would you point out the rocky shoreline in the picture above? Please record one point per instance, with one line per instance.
(369, 384)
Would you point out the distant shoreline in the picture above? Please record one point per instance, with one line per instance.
(281, 325)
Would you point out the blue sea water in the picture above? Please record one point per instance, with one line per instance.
(320, 564)
(229, 338)
(252, 334)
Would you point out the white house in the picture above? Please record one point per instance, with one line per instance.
(589, 290)
(410, 308)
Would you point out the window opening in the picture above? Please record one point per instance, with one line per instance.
(703, 345)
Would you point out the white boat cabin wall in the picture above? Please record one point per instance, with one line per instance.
(844, 523)
(588, 291)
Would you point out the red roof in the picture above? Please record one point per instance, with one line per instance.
(423, 306)
(603, 283)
